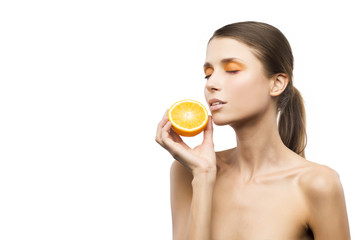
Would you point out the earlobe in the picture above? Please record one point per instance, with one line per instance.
(278, 84)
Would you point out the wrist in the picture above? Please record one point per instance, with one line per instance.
(204, 170)
(207, 176)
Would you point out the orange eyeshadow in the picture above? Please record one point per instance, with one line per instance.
(208, 71)
(233, 66)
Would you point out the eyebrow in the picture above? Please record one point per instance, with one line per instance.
(224, 61)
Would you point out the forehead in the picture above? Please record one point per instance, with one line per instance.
(221, 48)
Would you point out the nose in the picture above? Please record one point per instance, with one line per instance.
(212, 83)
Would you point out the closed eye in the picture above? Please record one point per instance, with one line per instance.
(208, 71)
(233, 67)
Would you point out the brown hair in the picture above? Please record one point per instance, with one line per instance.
(273, 49)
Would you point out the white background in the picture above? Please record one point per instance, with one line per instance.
(83, 85)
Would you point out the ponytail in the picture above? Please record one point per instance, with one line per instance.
(292, 121)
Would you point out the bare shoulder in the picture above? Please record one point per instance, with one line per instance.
(179, 173)
(325, 200)
(180, 182)
(319, 181)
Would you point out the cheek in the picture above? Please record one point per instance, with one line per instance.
(249, 94)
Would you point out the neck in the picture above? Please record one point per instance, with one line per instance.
(259, 146)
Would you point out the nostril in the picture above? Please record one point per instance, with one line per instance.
(212, 88)
(211, 85)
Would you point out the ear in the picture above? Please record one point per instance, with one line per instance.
(278, 83)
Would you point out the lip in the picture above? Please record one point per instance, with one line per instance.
(218, 106)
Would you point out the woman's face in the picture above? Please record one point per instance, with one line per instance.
(236, 79)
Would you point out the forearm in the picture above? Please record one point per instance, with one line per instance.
(200, 212)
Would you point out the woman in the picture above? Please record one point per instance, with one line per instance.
(264, 188)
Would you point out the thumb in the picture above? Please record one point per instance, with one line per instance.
(208, 132)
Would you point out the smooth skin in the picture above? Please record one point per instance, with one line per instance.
(260, 190)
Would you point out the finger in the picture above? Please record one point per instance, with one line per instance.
(164, 120)
(208, 132)
(178, 139)
(161, 124)
(171, 138)
(167, 139)
(165, 134)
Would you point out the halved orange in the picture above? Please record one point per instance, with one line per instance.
(188, 117)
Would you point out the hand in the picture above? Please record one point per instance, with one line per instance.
(197, 160)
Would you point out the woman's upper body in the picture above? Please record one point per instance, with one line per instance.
(295, 200)
(264, 188)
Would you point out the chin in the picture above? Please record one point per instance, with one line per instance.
(234, 120)
(219, 121)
